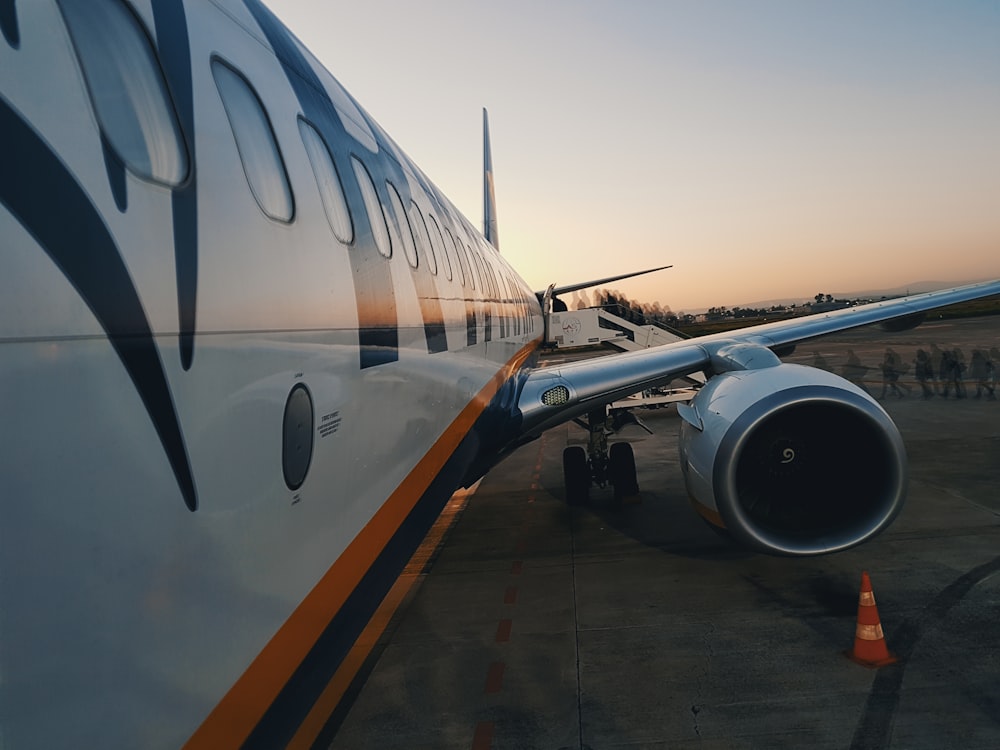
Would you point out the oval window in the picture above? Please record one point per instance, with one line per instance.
(474, 262)
(458, 256)
(437, 242)
(373, 206)
(423, 237)
(409, 247)
(331, 190)
(255, 141)
(127, 89)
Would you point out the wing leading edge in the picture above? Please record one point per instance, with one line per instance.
(554, 395)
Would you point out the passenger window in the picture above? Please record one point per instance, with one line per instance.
(255, 141)
(493, 280)
(484, 270)
(504, 291)
(409, 247)
(437, 242)
(474, 274)
(331, 190)
(458, 256)
(422, 237)
(373, 206)
(127, 90)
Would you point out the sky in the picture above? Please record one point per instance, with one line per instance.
(768, 149)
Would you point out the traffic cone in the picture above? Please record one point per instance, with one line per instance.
(869, 643)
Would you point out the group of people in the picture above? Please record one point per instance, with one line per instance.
(943, 371)
(940, 372)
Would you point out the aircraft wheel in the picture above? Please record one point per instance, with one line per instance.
(576, 475)
(621, 469)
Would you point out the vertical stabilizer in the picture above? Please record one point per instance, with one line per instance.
(489, 199)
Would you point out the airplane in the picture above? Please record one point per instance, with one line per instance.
(248, 351)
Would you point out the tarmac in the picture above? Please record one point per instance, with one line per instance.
(538, 625)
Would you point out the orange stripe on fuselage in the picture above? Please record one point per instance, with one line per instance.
(235, 716)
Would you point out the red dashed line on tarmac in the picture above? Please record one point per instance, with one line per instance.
(483, 738)
(494, 678)
(503, 631)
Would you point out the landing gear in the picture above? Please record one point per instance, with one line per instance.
(576, 475)
(598, 464)
(621, 471)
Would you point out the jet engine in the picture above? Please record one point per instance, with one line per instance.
(790, 459)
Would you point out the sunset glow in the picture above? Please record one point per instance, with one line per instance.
(768, 150)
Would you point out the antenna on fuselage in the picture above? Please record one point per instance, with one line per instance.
(489, 199)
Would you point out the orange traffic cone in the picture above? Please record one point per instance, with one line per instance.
(869, 644)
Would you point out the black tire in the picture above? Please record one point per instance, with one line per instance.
(621, 470)
(576, 475)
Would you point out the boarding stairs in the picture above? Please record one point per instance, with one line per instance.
(596, 326)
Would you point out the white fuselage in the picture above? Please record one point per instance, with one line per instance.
(124, 616)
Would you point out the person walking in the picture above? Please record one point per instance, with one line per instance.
(951, 373)
(924, 371)
(854, 371)
(981, 372)
(890, 373)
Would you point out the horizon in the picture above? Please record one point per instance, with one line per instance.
(872, 295)
(759, 149)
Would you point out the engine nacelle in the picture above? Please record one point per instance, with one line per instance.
(791, 459)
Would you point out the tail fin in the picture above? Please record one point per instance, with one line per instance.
(489, 199)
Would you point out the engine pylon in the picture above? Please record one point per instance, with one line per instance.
(870, 649)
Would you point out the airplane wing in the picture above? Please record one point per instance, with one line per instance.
(554, 395)
(787, 459)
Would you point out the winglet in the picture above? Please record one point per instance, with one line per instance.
(489, 199)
